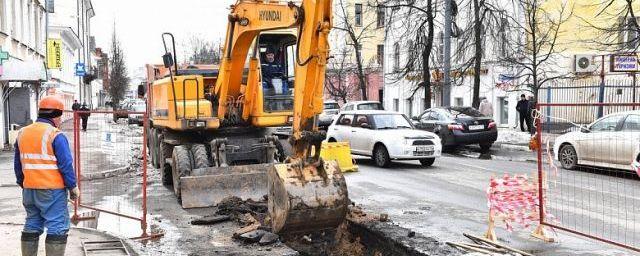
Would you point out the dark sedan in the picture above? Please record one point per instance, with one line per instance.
(459, 126)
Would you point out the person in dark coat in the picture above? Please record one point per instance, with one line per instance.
(84, 116)
(532, 106)
(75, 106)
(525, 113)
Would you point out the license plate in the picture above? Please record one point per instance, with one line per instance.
(476, 127)
(424, 148)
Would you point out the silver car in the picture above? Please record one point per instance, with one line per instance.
(612, 141)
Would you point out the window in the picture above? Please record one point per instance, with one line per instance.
(291, 56)
(411, 57)
(459, 102)
(606, 124)
(391, 121)
(358, 16)
(345, 120)
(629, 34)
(360, 119)
(409, 107)
(348, 107)
(396, 56)
(440, 49)
(370, 106)
(3, 18)
(426, 116)
(502, 45)
(380, 17)
(14, 20)
(380, 52)
(632, 123)
(396, 104)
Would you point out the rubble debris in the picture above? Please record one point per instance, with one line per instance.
(268, 238)
(209, 220)
(480, 241)
(307, 239)
(246, 229)
(411, 234)
(384, 217)
(252, 236)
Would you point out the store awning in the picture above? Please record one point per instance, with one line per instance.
(23, 71)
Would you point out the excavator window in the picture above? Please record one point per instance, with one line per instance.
(277, 71)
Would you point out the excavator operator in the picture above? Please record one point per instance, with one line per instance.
(271, 70)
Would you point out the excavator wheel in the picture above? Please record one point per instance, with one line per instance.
(153, 148)
(180, 166)
(307, 197)
(200, 157)
(165, 151)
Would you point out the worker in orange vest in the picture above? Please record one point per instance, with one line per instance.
(44, 169)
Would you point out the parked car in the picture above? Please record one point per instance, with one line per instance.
(612, 141)
(459, 126)
(384, 136)
(329, 112)
(137, 118)
(121, 111)
(362, 105)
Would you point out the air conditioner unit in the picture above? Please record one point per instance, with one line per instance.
(584, 64)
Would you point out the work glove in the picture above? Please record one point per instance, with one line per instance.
(74, 193)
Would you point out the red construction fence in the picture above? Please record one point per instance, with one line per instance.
(111, 164)
(588, 184)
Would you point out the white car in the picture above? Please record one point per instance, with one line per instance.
(384, 136)
(362, 105)
(612, 141)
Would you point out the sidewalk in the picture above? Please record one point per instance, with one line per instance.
(12, 217)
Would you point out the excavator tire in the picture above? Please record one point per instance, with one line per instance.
(153, 148)
(165, 151)
(200, 157)
(181, 160)
(306, 198)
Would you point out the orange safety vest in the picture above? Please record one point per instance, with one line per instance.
(39, 163)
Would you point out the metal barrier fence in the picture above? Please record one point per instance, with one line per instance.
(111, 163)
(587, 183)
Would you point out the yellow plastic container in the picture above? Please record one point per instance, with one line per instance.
(341, 152)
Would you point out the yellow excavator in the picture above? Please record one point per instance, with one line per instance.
(209, 127)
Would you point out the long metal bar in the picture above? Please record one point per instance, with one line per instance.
(110, 212)
(592, 237)
(143, 222)
(587, 104)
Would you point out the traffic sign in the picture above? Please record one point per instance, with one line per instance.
(80, 70)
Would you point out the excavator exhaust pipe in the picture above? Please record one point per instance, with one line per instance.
(306, 197)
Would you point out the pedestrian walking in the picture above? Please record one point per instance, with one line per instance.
(486, 108)
(525, 114)
(43, 166)
(84, 116)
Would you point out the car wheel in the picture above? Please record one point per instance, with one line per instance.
(568, 157)
(485, 147)
(381, 156)
(427, 161)
(332, 140)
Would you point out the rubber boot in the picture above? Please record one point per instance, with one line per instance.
(29, 243)
(55, 245)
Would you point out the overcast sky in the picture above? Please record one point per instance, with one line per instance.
(140, 23)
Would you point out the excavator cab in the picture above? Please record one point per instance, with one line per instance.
(277, 71)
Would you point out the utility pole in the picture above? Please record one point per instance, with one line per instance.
(446, 87)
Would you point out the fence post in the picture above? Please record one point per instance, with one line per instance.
(548, 109)
(601, 92)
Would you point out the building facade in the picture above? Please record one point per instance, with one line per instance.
(356, 24)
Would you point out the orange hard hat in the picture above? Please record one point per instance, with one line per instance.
(51, 102)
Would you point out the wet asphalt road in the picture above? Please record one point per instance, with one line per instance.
(449, 199)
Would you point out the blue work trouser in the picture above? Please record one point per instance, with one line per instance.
(46, 208)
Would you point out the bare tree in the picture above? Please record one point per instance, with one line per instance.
(200, 51)
(357, 30)
(622, 37)
(416, 22)
(338, 72)
(486, 21)
(535, 57)
(118, 79)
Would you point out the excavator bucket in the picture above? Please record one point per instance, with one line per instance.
(306, 197)
(341, 153)
(207, 187)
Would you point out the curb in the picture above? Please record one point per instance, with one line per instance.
(105, 174)
(517, 147)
